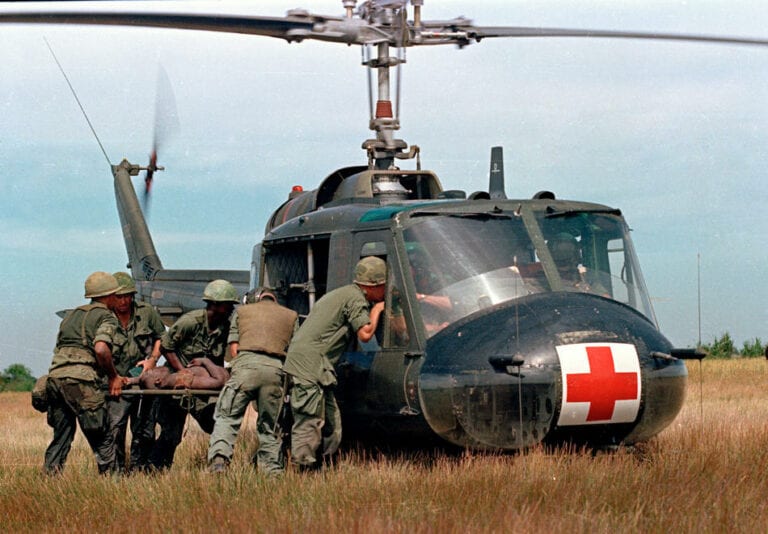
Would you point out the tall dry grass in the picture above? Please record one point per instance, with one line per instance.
(703, 474)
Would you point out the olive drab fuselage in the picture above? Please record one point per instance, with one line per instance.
(489, 340)
(508, 365)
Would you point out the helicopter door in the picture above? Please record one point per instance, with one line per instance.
(395, 326)
(393, 375)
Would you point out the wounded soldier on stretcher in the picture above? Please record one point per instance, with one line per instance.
(201, 373)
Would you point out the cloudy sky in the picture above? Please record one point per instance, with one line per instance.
(673, 134)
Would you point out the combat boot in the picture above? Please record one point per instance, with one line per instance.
(219, 464)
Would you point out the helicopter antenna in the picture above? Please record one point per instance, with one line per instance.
(698, 290)
(701, 366)
(78, 101)
(496, 180)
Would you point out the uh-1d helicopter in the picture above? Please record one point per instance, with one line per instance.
(510, 322)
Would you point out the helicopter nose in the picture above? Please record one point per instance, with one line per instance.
(549, 368)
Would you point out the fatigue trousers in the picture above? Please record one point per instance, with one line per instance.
(140, 411)
(255, 378)
(73, 400)
(316, 423)
(171, 415)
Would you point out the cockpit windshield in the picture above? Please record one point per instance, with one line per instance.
(461, 263)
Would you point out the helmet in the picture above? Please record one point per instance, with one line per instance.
(371, 271)
(100, 284)
(220, 291)
(127, 285)
(564, 248)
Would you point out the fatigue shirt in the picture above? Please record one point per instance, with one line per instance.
(320, 341)
(134, 343)
(79, 331)
(190, 338)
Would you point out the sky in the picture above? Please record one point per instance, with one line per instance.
(673, 134)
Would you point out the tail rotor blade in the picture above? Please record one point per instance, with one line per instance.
(166, 125)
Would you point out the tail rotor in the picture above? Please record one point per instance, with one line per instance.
(166, 125)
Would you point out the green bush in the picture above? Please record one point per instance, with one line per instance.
(752, 349)
(17, 377)
(721, 348)
(725, 348)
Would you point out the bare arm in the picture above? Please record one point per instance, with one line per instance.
(438, 301)
(366, 332)
(104, 359)
(233, 348)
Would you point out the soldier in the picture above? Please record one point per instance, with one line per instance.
(197, 334)
(83, 356)
(138, 338)
(259, 334)
(317, 346)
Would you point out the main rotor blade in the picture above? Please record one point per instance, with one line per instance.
(479, 32)
(301, 25)
(268, 26)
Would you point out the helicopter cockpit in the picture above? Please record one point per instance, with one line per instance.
(463, 262)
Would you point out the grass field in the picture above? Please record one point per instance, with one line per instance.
(705, 473)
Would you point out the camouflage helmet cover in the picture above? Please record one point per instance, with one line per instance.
(220, 291)
(127, 285)
(100, 284)
(371, 271)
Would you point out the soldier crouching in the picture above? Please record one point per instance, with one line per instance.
(83, 356)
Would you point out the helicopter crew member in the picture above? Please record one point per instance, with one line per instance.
(317, 346)
(259, 334)
(196, 334)
(138, 338)
(75, 388)
(575, 277)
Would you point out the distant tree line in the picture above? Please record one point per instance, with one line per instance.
(17, 377)
(724, 347)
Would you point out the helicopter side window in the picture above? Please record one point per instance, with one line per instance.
(463, 262)
(592, 253)
(298, 271)
(392, 331)
(396, 332)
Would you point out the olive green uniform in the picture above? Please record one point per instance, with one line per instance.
(317, 346)
(133, 344)
(188, 338)
(263, 331)
(76, 387)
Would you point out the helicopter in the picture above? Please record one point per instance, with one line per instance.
(574, 356)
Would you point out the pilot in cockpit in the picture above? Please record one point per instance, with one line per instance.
(575, 277)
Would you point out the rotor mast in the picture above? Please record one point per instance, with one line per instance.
(384, 119)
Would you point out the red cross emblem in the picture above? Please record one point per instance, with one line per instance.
(601, 383)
